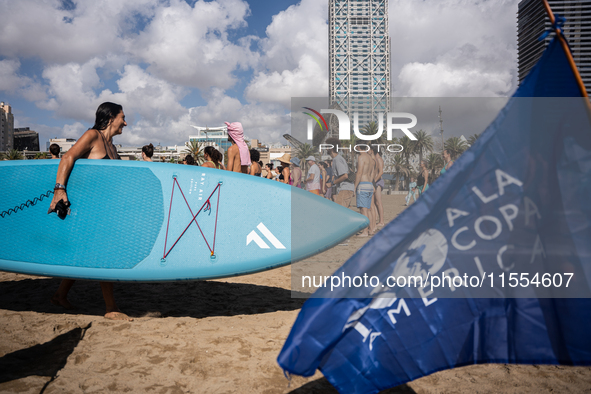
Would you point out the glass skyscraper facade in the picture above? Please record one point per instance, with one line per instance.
(359, 58)
(532, 21)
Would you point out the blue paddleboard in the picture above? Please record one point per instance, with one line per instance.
(139, 221)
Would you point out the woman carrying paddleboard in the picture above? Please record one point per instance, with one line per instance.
(95, 143)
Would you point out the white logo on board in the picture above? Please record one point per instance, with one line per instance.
(254, 236)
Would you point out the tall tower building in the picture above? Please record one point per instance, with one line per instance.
(6, 127)
(532, 21)
(359, 57)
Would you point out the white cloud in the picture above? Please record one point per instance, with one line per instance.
(44, 29)
(463, 72)
(453, 47)
(12, 81)
(74, 130)
(189, 45)
(266, 122)
(148, 96)
(77, 91)
(71, 87)
(9, 80)
(295, 60)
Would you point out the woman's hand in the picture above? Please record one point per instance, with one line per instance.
(58, 194)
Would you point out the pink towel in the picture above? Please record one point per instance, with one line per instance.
(235, 131)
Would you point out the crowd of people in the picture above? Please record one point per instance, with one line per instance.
(331, 178)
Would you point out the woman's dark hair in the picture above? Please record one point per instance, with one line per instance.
(214, 154)
(323, 164)
(105, 113)
(270, 165)
(148, 150)
(261, 163)
(255, 155)
(189, 160)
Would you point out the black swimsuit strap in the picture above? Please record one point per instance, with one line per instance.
(107, 150)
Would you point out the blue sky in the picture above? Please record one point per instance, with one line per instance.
(176, 63)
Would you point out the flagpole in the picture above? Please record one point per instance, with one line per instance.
(566, 49)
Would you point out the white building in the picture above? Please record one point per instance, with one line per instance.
(64, 143)
(212, 136)
(6, 127)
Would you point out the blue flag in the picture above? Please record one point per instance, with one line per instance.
(501, 246)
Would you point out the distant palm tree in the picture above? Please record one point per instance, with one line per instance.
(370, 129)
(407, 148)
(13, 154)
(423, 144)
(434, 165)
(455, 147)
(195, 148)
(351, 142)
(472, 139)
(318, 136)
(401, 167)
(304, 151)
(41, 155)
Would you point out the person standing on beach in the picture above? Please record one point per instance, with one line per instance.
(379, 185)
(285, 176)
(322, 166)
(327, 179)
(213, 158)
(447, 160)
(55, 150)
(255, 168)
(373, 174)
(238, 154)
(95, 143)
(296, 173)
(340, 169)
(412, 191)
(313, 180)
(365, 190)
(269, 168)
(147, 152)
(423, 178)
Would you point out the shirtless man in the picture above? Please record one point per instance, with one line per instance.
(379, 186)
(364, 189)
(238, 153)
(374, 171)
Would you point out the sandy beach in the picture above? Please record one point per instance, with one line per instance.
(220, 336)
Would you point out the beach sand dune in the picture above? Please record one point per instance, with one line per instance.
(219, 336)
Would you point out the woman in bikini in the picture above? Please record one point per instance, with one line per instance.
(95, 143)
(147, 152)
(423, 178)
(284, 176)
(255, 167)
(213, 158)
